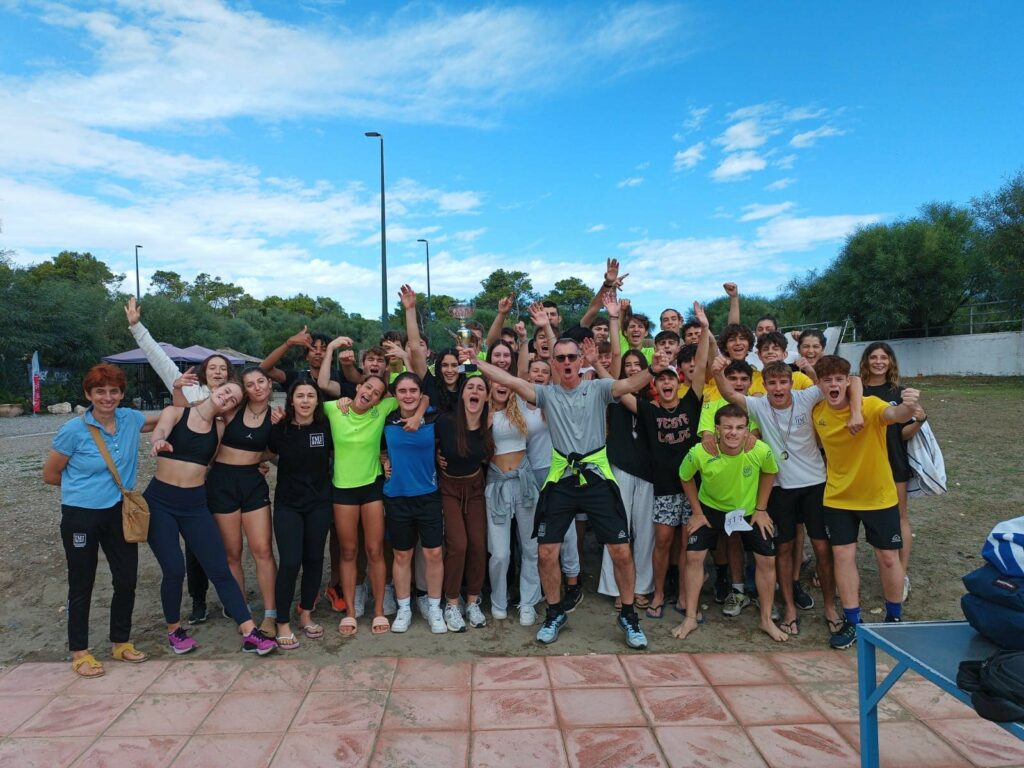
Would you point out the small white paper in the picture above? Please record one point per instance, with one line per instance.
(735, 521)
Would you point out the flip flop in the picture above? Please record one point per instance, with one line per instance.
(287, 642)
(791, 628)
(641, 602)
(655, 611)
(313, 631)
(92, 668)
(129, 653)
(834, 626)
(348, 627)
(380, 625)
(682, 612)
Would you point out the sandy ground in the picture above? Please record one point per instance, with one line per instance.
(978, 422)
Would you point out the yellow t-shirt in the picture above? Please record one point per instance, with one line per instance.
(800, 381)
(858, 473)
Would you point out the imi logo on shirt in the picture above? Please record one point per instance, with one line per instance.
(316, 440)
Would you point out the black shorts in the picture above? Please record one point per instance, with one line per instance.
(560, 503)
(881, 527)
(409, 518)
(363, 494)
(230, 487)
(706, 537)
(790, 507)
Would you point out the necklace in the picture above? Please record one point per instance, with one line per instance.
(257, 415)
(789, 426)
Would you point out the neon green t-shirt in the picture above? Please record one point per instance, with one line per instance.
(707, 416)
(729, 482)
(357, 442)
(647, 352)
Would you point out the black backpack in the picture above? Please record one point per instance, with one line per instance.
(996, 685)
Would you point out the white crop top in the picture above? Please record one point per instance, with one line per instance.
(507, 439)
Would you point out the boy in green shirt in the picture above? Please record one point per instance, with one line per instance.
(735, 481)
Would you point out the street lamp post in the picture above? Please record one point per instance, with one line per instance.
(383, 238)
(138, 293)
(430, 314)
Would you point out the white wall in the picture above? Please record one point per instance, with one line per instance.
(987, 354)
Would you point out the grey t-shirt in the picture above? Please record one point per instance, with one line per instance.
(790, 431)
(576, 416)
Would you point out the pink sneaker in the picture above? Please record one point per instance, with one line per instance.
(180, 641)
(257, 642)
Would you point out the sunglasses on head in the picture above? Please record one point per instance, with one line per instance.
(569, 358)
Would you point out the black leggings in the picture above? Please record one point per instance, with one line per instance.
(300, 535)
(84, 531)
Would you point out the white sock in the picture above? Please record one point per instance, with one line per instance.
(434, 602)
(741, 588)
(403, 602)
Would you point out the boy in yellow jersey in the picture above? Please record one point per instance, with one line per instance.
(771, 346)
(859, 489)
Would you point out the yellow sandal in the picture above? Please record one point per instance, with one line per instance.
(93, 668)
(125, 650)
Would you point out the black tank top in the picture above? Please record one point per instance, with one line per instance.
(194, 447)
(245, 438)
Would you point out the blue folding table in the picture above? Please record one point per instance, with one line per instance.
(934, 649)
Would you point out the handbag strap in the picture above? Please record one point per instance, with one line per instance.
(102, 445)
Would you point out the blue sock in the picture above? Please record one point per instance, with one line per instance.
(270, 613)
(893, 610)
(852, 615)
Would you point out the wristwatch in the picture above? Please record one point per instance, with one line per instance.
(915, 420)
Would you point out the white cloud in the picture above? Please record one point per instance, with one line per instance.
(695, 118)
(632, 181)
(756, 211)
(781, 184)
(643, 166)
(801, 234)
(738, 166)
(785, 162)
(810, 138)
(593, 228)
(469, 235)
(803, 113)
(746, 134)
(689, 157)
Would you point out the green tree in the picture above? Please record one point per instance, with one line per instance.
(501, 283)
(213, 292)
(169, 284)
(572, 296)
(80, 268)
(1001, 218)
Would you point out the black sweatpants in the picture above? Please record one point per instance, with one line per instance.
(83, 532)
(300, 534)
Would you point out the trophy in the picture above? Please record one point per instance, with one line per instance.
(463, 335)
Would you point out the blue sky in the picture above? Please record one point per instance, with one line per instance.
(696, 143)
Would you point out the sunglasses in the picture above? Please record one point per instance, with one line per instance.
(570, 358)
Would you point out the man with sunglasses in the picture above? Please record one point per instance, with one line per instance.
(580, 479)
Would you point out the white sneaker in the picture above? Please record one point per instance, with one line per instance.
(402, 620)
(423, 604)
(360, 600)
(390, 603)
(498, 614)
(453, 618)
(475, 615)
(436, 618)
(527, 615)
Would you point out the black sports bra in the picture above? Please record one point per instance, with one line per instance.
(193, 447)
(245, 438)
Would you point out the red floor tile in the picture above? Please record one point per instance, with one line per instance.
(985, 744)
(634, 747)
(513, 709)
(292, 675)
(518, 749)
(908, 745)
(431, 674)
(252, 713)
(326, 750)
(420, 710)
(362, 675)
(769, 705)
(589, 707)
(657, 669)
(803, 746)
(120, 677)
(198, 677)
(927, 701)
(726, 746)
(585, 671)
(252, 750)
(42, 753)
(683, 706)
(76, 715)
(815, 667)
(738, 668)
(512, 673)
(340, 711)
(15, 710)
(838, 702)
(136, 751)
(164, 714)
(41, 677)
(397, 749)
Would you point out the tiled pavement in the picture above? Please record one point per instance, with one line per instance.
(784, 710)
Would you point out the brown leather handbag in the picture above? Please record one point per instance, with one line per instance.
(134, 507)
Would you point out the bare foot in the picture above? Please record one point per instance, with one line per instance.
(773, 632)
(684, 630)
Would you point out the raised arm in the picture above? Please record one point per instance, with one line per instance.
(724, 385)
(897, 414)
(733, 293)
(165, 368)
(494, 332)
(589, 349)
(641, 379)
(613, 308)
(703, 347)
(269, 363)
(417, 357)
(539, 317)
(523, 353)
(612, 282)
(499, 376)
